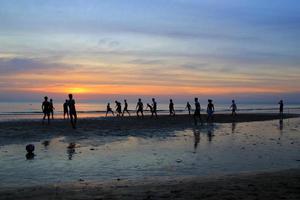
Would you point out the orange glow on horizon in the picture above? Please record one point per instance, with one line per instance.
(152, 90)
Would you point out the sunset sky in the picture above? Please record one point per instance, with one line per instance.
(184, 48)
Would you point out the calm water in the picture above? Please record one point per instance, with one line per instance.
(13, 111)
(208, 150)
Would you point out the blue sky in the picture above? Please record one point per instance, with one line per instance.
(169, 47)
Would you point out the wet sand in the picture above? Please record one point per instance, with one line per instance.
(12, 132)
(271, 185)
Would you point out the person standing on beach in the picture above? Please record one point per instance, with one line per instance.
(188, 106)
(46, 109)
(72, 111)
(108, 109)
(51, 108)
(280, 107)
(171, 108)
(140, 108)
(154, 107)
(66, 110)
(233, 108)
(210, 110)
(125, 107)
(118, 108)
(197, 111)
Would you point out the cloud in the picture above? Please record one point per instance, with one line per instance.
(21, 65)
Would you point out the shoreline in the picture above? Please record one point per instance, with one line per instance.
(23, 131)
(253, 185)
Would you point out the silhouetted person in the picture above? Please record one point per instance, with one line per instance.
(210, 110)
(72, 111)
(118, 108)
(66, 109)
(281, 108)
(150, 108)
(154, 107)
(171, 108)
(188, 106)
(52, 108)
(197, 111)
(125, 108)
(140, 108)
(46, 109)
(108, 109)
(233, 108)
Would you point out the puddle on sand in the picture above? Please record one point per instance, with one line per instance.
(207, 150)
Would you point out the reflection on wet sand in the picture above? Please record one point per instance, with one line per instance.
(139, 153)
(30, 156)
(281, 125)
(210, 131)
(233, 127)
(71, 150)
(196, 138)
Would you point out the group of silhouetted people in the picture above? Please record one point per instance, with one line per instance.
(48, 109)
(68, 108)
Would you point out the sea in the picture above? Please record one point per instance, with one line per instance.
(32, 110)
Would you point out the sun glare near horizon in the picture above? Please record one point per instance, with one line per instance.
(149, 48)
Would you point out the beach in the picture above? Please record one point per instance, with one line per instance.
(27, 130)
(147, 158)
(271, 185)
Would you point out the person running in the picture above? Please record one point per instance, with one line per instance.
(280, 107)
(171, 108)
(154, 108)
(140, 108)
(233, 108)
(51, 108)
(210, 110)
(72, 111)
(188, 106)
(125, 108)
(66, 110)
(108, 109)
(118, 108)
(46, 109)
(197, 111)
(150, 108)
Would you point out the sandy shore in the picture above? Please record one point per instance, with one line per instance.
(33, 130)
(272, 185)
